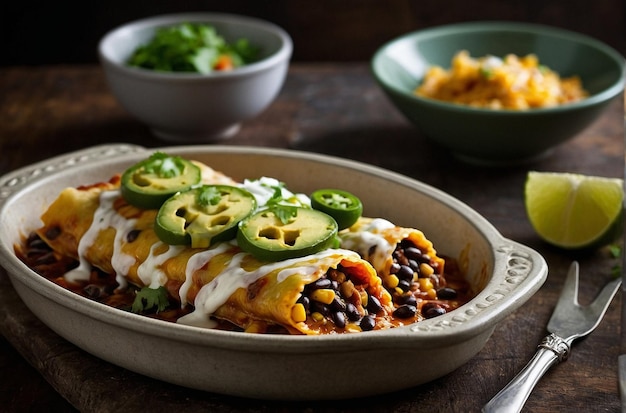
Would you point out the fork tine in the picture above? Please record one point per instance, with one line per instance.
(605, 296)
(569, 295)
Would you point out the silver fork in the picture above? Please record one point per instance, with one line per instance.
(569, 322)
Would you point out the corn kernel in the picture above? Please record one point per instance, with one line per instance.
(432, 294)
(317, 316)
(347, 289)
(298, 313)
(426, 270)
(425, 284)
(363, 295)
(391, 281)
(323, 295)
(353, 328)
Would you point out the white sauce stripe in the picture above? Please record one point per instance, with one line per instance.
(149, 272)
(194, 264)
(215, 294)
(105, 216)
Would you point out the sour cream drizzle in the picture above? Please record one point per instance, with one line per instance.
(105, 216)
(196, 262)
(214, 294)
(149, 272)
(264, 188)
(369, 243)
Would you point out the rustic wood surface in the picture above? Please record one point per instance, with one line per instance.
(333, 109)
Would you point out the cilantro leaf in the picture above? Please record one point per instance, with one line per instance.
(208, 195)
(149, 298)
(284, 213)
(164, 166)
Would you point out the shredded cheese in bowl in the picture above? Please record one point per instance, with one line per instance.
(491, 82)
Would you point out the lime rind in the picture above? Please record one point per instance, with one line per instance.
(574, 211)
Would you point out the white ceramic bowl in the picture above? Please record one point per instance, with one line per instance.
(187, 107)
(279, 366)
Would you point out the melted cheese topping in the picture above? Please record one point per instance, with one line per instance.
(196, 262)
(214, 294)
(369, 243)
(105, 217)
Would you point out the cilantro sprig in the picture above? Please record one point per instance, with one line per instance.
(164, 166)
(208, 195)
(148, 299)
(191, 47)
(283, 211)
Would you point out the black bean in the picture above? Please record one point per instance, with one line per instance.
(367, 323)
(415, 266)
(317, 307)
(352, 312)
(399, 257)
(37, 243)
(338, 305)
(395, 267)
(306, 302)
(413, 253)
(53, 232)
(430, 310)
(373, 305)
(405, 311)
(446, 293)
(132, 235)
(35, 252)
(404, 285)
(408, 299)
(406, 243)
(321, 283)
(47, 258)
(93, 291)
(339, 319)
(405, 273)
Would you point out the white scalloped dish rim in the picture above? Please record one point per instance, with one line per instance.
(267, 366)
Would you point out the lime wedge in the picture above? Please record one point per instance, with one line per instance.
(574, 211)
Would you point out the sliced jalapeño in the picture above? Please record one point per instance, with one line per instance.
(150, 182)
(345, 207)
(272, 235)
(203, 215)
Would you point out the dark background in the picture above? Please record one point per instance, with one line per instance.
(60, 32)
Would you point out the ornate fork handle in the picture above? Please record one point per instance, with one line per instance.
(552, 350)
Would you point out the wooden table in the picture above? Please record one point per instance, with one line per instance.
(334, 109)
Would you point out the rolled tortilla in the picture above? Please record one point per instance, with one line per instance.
(376, 239)
(410, 269)
(94, 225)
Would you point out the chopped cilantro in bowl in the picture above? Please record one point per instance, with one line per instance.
(192, 47)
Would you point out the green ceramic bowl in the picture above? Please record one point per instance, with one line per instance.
(489, 136)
